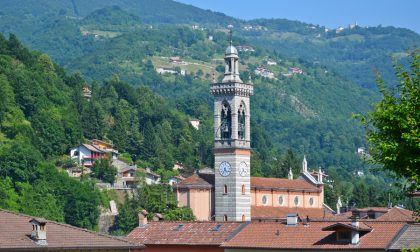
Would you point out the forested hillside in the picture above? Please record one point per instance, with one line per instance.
(43, 114)
(117, 49)
(353, 51)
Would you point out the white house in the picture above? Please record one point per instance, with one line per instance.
(85, 154)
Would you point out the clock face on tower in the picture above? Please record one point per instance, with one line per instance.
(225, 169)
(243, 169)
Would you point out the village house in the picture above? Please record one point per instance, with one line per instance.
(270, 62)
(21, 232)
(295, 70)
(264, 72)
(128, 175)
(86, 154)
(169, 70)
(246, 49)
(173, 180)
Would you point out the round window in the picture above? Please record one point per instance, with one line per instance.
(281, 200)
(311, 201)
(296, 201)
(264, 199)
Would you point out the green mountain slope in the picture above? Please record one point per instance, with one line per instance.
(354, 52)
(43, 113)
(308, 113)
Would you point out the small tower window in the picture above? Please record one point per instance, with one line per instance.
(243, 189)
(225, 189)
(225, 218)
(264, 199)
(296, 201)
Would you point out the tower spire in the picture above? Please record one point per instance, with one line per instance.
(290, 175)
(230, 34)
(304, 164)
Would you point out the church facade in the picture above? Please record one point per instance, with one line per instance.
(229, 193)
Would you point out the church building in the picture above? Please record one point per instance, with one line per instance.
(229, 193)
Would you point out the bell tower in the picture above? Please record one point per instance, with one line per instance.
(232, 149)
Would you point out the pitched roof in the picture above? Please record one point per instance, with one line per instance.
(15, 231)
(184, 233)
(408, 238)
(194, 181)
(92, 148)
(394, 214)
(397, 214)
(340, 225)
(280, 183)
(280, 236)
(270, 212)
(206, 180)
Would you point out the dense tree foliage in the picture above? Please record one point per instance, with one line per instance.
(394, 132)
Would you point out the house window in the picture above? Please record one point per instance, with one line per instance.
(296, 201)
(281, 200)
(243, 189)
(343, 236)
(264, 199)
(225, 217)
(225, 189)
(311, 201)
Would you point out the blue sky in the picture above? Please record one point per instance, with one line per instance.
(330, 13)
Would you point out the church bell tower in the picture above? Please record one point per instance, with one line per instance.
(232, 149)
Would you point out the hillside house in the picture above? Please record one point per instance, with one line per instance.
(264, 72)
(176, 60)
(270, 62)
(169, 70)
(295, 70)
(86, 154)
(175, 180)
(245, 49)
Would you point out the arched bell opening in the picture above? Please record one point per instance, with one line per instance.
(241, 121)
(226, 121)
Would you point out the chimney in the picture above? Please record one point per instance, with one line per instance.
(339, 205)
(143, 217)
(292, 219)
(39, 231)
(355, 233)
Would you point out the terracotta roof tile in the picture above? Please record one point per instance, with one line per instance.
(391, 214)
(15, 231)
(298, 184)
(280, 236)
(397, 214)
(183, 233)
(270, 212)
